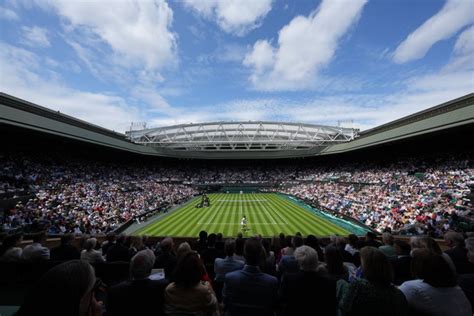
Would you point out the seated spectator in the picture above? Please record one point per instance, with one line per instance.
(140, 295)
(307, 292)
(111, 239)
(401, 264)
(224, 266)
(201, 243)
(209, 255)
(66, 289)
(434, 290)
(249, 291)
(118, 251)
(370, 240)
(466, 281)
(458, 253)
(11, 250)
(188, 295)
(352, 246)
(166, 258)
(136, 245)
(89, 254)
(431, 245)
(220, 246)
(65, 251)
(387, 247)
(288, 262)
(313, 242)
(334, 266)
(183, 248)
(228, 264)
(36, 251)
(239, 249)
(269, 262)
(373, 295)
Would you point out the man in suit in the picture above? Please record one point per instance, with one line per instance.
(224, 266)
(65, 251)
(249, 291)
(307, 292)
(140, 295)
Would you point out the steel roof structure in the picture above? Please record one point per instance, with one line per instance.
(236, 140)
(242, 136)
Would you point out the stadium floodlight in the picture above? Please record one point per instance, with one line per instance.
(242, 137)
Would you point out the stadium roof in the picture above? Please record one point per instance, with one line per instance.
(242, 136)
(251, 140)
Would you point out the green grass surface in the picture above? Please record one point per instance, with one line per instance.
(268, 214)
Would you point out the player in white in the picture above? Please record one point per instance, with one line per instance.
(243, 223)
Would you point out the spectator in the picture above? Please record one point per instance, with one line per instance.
(249, 291)
(334, 266)
(458, 253)
(183, 248)
(188, 295)
(373, 295)
(224, 266)
(210, 254)
(434, 290)
(307, 292)
(288, 262)
(401, 264)
(431, 245)
(370, 240)
(36, 251)
(111, 240)
(239, 249)
(387, 247)
(313, 242)
(118, 251)
(65, 251)
(466, 281)
(67, 289)
(11, 250)
(166, 258)
(136, 245)
(89, 253)
(140, 295)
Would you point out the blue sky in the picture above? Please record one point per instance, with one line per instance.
(354, 62)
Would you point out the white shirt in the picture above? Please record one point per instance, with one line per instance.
(35, 251)
(429, 300)
(243, 221)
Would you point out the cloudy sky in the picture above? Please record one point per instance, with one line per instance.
(113, 62)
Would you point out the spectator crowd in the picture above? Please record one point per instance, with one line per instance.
(70, 195)
(285, 275)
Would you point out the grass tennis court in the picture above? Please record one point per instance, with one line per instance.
(268, 214)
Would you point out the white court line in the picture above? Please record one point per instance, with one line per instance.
(239, 223)
(272, 216)
(266, 211)
(237, 201)
(215, 213)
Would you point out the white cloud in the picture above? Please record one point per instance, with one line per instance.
(35, 36)
(138, 32)
(24, 76)
(305, 46)
(8, 14)
(463, 54)
(454, 15)
(233, 16)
